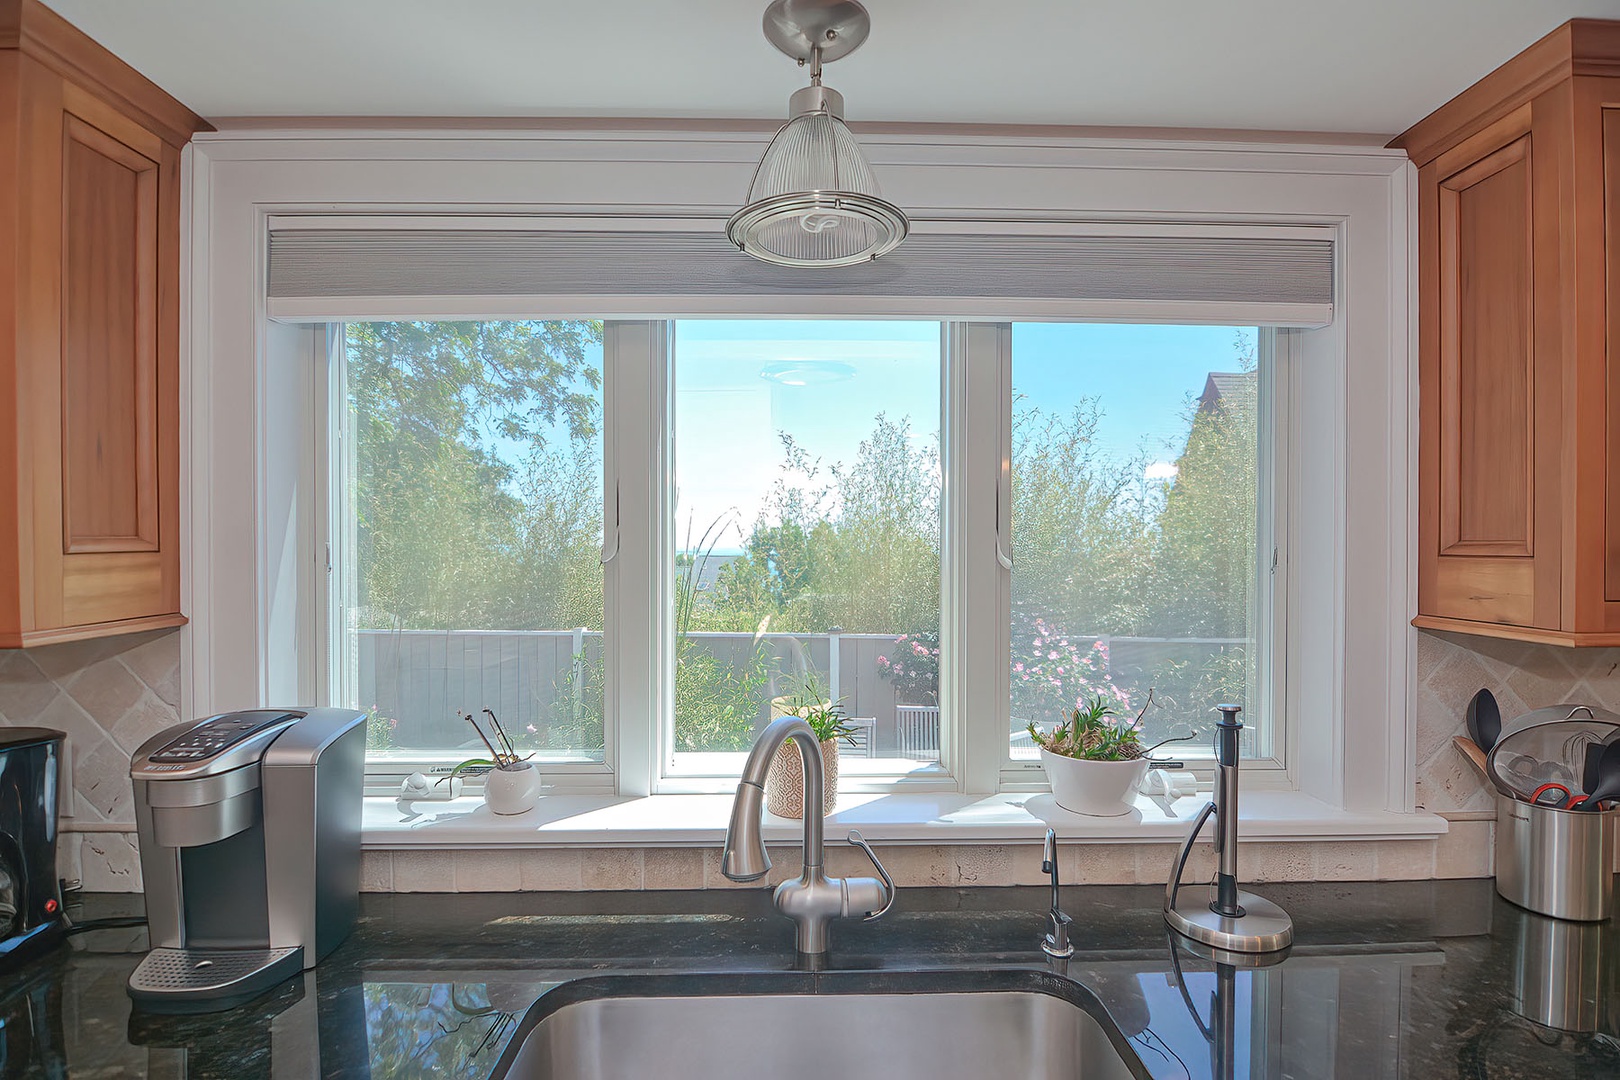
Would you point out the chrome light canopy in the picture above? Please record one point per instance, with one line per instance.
(814, 201)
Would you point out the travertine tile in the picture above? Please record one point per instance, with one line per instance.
(377, 871)
(150, 715)
(549, 870)
(64, 714)
(1276, 861)
(1405, 860)
(424, 871)
(672, 868)
(1466, 851)
(921, 866)
(24, 689)
(487, 871)
(985, 865)
(69, 863)
(109, 862)
(102, 777)
(61, 662)
(1097, 864)
(106, 691)
(611, 868)
(157, 664)
(1350, 860)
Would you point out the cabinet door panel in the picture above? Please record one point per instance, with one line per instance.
(109, 344)
(1486, 358)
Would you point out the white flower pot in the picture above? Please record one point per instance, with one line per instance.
(513, 790)
(1096, 788)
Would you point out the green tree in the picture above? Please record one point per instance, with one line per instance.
(451, 533)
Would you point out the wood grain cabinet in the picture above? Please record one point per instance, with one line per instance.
(89, 337)
(1519, 354)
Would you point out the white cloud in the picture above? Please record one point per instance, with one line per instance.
(1160, 470)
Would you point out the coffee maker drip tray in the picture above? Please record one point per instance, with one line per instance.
(205, 980)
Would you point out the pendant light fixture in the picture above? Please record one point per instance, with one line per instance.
(813, 200)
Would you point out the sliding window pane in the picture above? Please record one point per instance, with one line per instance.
(807, 535)
(475, 520)
(1135, 492)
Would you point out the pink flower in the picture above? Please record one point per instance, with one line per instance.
(1018, 667)
(1038, 643)
(883, 660)
(1052, 655)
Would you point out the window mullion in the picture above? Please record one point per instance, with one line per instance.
(977, 592)
(636, 360)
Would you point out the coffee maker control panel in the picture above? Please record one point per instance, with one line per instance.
(218, 734)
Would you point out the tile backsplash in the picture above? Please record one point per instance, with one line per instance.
(1451, 668)
(109, 695)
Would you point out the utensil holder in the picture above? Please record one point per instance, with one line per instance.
(1556, 862)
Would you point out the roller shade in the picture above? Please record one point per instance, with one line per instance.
(316, 272)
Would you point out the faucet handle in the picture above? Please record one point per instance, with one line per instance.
(859, 841)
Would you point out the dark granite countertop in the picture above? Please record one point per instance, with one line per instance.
(1420, 979)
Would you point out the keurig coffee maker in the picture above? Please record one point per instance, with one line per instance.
(249, 826)
(30, 896)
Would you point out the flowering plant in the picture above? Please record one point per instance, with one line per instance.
(1053, 674)
(912, 667)
(1093, 732)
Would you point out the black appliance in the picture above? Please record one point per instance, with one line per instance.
(30, 893)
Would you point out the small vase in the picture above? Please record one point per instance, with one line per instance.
(512, 790)
(784, 784)
(1094, 788)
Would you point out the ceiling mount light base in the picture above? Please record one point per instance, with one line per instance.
(801, 27)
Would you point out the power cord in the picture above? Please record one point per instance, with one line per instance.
(70, 889)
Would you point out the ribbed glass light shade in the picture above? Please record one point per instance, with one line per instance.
(814, 200)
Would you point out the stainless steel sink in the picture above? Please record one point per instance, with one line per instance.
(884, 1025)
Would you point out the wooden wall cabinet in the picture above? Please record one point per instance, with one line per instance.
(1519, 349)
(89, 337)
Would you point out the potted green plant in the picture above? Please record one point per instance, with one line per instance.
(1094, 758)
(784, 784)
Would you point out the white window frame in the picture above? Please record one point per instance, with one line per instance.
(1268, 767)
(1350, 491)
(638, 530)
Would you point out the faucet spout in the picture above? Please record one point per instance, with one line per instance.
(745, 858)
(812, 900)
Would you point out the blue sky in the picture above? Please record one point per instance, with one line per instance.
(738, 383)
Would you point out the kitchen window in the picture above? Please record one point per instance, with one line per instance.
(1141, 545)
(803, 535)
(469, 530)
(806, 537)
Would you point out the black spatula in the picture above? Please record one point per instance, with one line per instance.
(1608, 780)
(1484, 720)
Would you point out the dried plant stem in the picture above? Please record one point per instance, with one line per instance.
(511, 751)
(495, 755)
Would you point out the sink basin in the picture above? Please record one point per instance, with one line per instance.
(934, 1025)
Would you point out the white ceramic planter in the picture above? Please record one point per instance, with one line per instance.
(1096, 788)
(512, 791)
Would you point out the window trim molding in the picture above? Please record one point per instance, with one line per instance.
(1355, 562)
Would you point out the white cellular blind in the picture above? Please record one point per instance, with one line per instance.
(316, 271)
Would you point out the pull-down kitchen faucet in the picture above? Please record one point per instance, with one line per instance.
(813, 899)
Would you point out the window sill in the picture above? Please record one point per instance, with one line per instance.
(1013, 817)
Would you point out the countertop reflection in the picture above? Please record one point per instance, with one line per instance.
(1423, 979)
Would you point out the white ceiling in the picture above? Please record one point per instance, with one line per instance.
(1372, 66)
